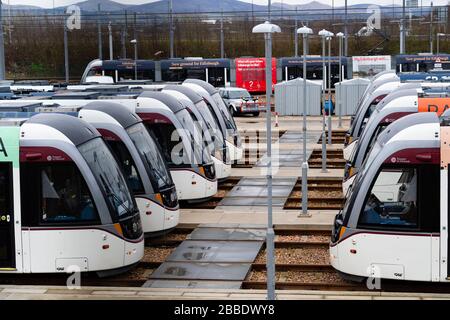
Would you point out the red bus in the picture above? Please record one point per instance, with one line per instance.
(251, 74)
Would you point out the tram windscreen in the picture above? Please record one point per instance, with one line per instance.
(128, 165)
(201, 137)
(228, 118)
(108, 175)
(392, 199)
(198, 156)
(151, 156)
(213, 128)
(211, 122)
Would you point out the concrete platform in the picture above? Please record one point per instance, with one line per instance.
(115, 293)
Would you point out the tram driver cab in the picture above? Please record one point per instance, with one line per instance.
(392, 225)
(64, 202)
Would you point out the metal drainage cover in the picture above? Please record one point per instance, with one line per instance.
(190, 284)
(263, 182)
(228, 234)
(202, 271)
(249, 202)
(259, 191)
(216, 251)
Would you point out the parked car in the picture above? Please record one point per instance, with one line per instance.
(239, 101)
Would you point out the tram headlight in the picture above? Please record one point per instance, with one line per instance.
(132, 227)
(169, 198)
(338, 229)
(208, 171)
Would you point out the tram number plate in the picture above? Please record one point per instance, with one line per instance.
(389, 271)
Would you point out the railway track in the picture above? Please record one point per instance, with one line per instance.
(325, 194)
(335, 159)
(337, 137)
(289, 276)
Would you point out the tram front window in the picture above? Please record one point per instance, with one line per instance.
(65, 196)
(392, 199)
(109, 176)
(150, 155)
(128, 166)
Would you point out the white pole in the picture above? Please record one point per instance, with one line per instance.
(340, 83)
(270, 232)
(330, 131)
(305, 158)
(324, 83)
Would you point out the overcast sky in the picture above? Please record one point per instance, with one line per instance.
(49, 3)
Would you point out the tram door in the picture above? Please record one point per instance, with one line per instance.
(7, 238)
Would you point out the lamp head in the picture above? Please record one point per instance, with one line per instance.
(266, 27)
(304, 30)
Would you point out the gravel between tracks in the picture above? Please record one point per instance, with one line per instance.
(319, 194)
(157, 254)
(297, 256)
(298, 276)
(302, 238)
(175, 236)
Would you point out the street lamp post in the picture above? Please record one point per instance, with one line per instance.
(267, 29)
(134, 42)
(111, 54)
(330, 131)
(305, 32)
(340, 36)
(324, 33)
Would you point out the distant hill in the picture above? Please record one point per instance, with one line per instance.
(314, 5)
(106, 5)
(192, 6)
(314, 9)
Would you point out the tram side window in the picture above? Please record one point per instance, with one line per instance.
(369, 112)
(65, 196)
(392, 199)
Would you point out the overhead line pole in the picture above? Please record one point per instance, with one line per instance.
(346, 30)
(171, 30)
(99, 29)
(402, 30)
(111, 54)
(222, 45)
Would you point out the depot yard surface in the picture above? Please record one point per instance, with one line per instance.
(218, 250)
